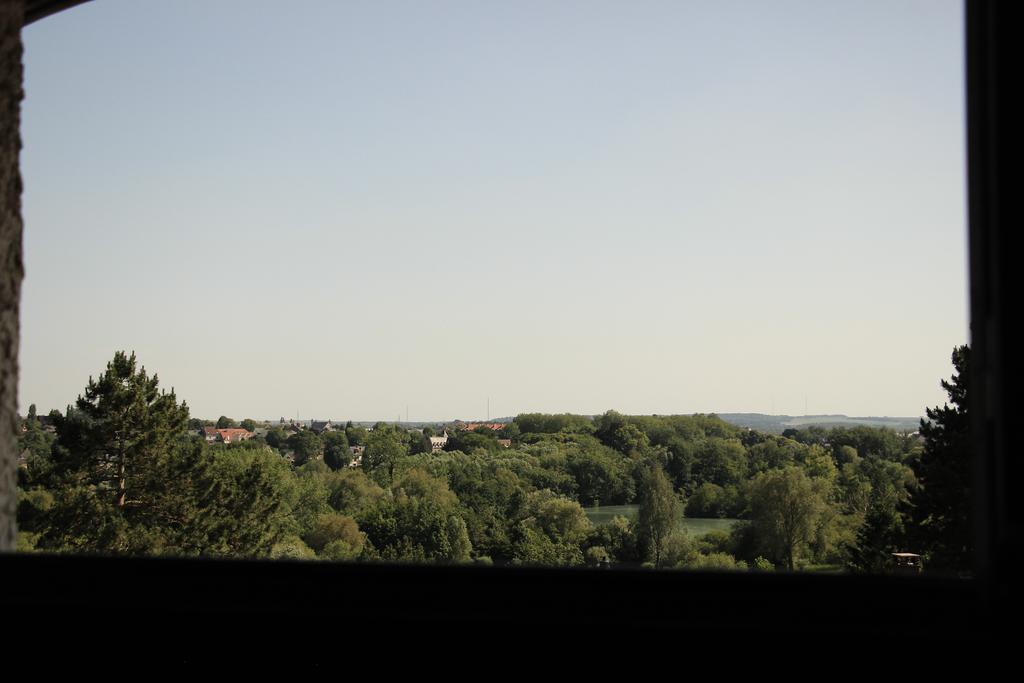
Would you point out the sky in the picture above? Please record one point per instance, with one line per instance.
(368, 210)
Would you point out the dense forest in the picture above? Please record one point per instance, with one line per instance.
(126, 471)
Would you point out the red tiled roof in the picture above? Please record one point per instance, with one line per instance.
(494, 426)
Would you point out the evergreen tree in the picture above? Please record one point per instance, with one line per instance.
(119, 430)
(126, 478)
(879, 536)
(940, 527)
(110, 464)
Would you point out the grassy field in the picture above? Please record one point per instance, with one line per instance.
(696, 526)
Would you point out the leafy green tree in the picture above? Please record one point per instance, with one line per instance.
(853, 489)
(534, 547)
(491, 498)
(32, 508)
(509, 431)
(225, 422)
(617, 537)
(419, 442)
(597, 556)
(873, 494)
(818, 464)
(868, 441)
(715, 562)
(311, 497)
(248, 502)
(345, 549)
(940, 525)
(419, 522)
(711, 500)
(659, 513)
(715, 542)
(467, 441)
(356, 436)
(602, 475)
(617, 431)
(553, 531)
(352, 493)
(384, 447)
(342, 531)
(549, 469)
(537, 423)
(785, 508)
(773, 453)
(292, 548)
(249, 425)
(681, 457)
(337, 453)
(679, 550)
(306, 446)
(720, 461)
(277, 438)
(563, 520)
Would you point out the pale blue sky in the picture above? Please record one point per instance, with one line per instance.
(342, 209)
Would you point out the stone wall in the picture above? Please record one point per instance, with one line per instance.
(11, 16)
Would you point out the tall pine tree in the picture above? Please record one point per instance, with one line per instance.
(126, 478)
(110, 465)
(940, 514)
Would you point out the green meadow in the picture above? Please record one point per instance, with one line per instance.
(696, 526)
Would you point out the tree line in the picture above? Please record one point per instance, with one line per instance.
(122, 473)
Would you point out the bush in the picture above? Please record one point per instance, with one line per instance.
(331, 529)
(292, 548)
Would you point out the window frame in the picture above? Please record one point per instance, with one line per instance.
(163, 599)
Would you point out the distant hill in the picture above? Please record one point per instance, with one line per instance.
(776, 424)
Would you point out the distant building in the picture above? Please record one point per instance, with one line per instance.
(214, 435)
(493, 426)
(234, 435)
(437, 443)
(321, 427)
